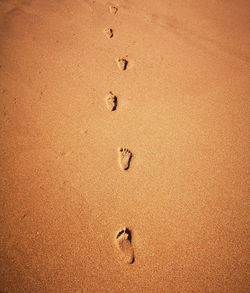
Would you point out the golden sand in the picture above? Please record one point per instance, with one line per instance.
(181, 121)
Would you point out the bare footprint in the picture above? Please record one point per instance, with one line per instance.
(123, 243)
(111, 102)
(122, 63)
(113, 9)
(108, 33)
(125, 156)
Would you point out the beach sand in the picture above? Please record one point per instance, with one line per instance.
(72, 218)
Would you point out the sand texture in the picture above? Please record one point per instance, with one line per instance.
(124, 138)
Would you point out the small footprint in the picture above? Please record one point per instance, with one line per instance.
(123, 242)
(113, 9)
(108, 33)
(111, 102)
(125, 156)
(122, 63)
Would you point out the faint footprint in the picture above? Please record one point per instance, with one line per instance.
(125, 156)
(122, 63)
(111, 101)
(123, 242)
(108, 33)
(113, 9)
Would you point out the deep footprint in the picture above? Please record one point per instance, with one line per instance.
(125, 156)
(122, 63)
(124, 245)
(108, 33)
(111, 102)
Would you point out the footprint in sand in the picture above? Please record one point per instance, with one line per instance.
(108, 33)
(123, 243)
(111, 101)
(125, 156)
(122, 63)
(113, 9)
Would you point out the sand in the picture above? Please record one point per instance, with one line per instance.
(182, 111)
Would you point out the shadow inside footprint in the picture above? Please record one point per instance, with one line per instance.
(108, 33)
(125, 156)
(113, 9)
(126, 230)
(122, 63)
(111, 102)
(123, 240)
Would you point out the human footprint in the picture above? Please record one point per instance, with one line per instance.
(125, 156)
(124, 245)
(111, 102)
(122, 63)
(113, 9)
(108, 33)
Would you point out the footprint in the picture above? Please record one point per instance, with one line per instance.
(111, 102)
(113, 9)
(108, 33)
(122, 63)
(125, 156)
(123, 243)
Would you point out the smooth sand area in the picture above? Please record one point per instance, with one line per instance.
(169, 212)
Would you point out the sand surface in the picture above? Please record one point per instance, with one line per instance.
(182, 110)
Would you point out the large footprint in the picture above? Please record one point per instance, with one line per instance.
(124, 245)
(125, 156)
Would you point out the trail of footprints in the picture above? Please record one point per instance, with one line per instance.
(123, 241)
